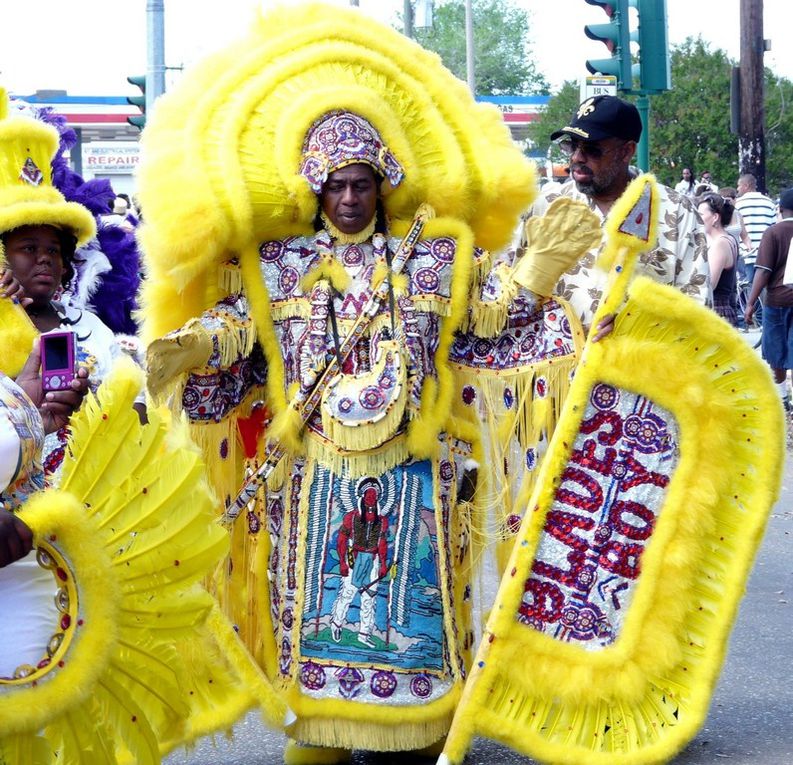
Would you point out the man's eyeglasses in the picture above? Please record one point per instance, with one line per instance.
(569, 146)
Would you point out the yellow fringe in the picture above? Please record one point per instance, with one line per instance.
(362, 734)
(357, 464)
(230, 280)
(488, 317)
(298, 308)
(352, 725)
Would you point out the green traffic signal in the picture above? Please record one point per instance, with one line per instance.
(615, 35)
(653, 46)
(138, 120)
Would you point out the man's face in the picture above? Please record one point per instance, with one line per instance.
(741, 187)
(349, 197)
(706, 177)
(598, 167)
(686, 174)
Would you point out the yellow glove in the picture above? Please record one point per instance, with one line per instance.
(176, 353)
(554, 242)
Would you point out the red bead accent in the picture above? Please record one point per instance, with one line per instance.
(61, 574)
(66, 622)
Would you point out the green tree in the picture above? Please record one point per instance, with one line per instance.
(502, 60)
(556, 115)
(690, 124)
(778, 132)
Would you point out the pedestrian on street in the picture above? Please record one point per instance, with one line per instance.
(758, 212)
(772, 257)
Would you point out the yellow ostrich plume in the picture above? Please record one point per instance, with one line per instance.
(140, 659)
(222, 151)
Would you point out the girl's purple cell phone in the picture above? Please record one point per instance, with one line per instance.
(57, 360)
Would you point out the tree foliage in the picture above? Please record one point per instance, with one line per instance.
(556, 115)
(778, 133)
(690, 124)
(502, 60)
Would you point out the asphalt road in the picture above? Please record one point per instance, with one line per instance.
(751, 715)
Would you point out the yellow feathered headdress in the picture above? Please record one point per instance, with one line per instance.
(27, 196)
(222, 153)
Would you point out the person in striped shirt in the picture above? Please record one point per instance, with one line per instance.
(758, 213)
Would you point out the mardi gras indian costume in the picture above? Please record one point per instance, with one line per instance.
(348, 361)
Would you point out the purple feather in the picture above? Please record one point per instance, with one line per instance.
(115, 298)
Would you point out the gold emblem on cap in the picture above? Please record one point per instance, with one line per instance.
(586, 108)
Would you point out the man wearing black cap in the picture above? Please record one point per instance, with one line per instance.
(771, 272)
(600, 140)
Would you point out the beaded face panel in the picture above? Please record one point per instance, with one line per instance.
(589, 554)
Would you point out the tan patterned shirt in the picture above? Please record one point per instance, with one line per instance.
(680, 259)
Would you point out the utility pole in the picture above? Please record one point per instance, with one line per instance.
(469, 47)
(751, 135)
(155, 48)
(407, 12)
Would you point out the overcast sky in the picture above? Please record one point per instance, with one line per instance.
(88, 47)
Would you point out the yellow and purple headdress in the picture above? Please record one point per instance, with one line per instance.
(340, 138)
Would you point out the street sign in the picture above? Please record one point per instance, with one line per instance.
(598, 85)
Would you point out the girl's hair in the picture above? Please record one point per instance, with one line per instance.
(724, 208)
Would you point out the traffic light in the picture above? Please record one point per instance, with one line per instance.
(616, 36)
(653, 47)
(138, 120)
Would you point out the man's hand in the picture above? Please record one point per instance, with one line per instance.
(55, 407)
(554, 242)
(175, 354)
(16, 539)
(604, 327)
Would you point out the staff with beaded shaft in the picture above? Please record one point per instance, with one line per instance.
(305, 405)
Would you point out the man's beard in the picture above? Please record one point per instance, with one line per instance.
(597, 183)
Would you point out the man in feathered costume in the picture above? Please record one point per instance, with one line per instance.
(304, 303)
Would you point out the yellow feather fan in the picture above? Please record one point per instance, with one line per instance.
(612, 620)
(134, 666)
(222, 151)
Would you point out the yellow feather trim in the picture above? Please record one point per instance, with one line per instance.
(286, 430)
(222, 153)
(18, 333)
(329, 269)
(135, 523)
